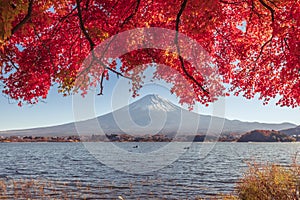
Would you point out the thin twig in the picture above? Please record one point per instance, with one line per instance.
(12, 62)
(262, 48)
(46, 47)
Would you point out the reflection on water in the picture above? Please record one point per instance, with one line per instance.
(71, 168)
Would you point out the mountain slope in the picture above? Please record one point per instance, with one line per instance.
(149, 115)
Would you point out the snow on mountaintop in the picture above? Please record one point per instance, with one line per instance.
(153, 103)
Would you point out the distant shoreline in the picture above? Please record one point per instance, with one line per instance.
(124, 138)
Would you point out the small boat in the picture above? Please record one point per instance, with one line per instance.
(135, 147)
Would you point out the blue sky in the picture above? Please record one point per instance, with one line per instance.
(59, 110)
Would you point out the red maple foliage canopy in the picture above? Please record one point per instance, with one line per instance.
(253, 44)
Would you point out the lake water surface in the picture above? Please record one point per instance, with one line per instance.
(71, 167)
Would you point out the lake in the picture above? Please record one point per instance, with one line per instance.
(77, 169)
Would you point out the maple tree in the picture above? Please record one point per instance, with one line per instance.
(254, 45)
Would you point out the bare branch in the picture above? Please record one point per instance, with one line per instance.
(25, 19)
(101, 84)
(118, 73)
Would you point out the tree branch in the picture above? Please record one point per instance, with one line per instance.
(234, 3)
(183, 6)
(87, 5)
(45, 46)
(57, 27)
(82, 27)
(262, 48)
(286, 43)
(101, 84)
(253, 10)
(12, 62)
(92, 44)
(273, 3)
(25, 19)
(269, 8)
(132, 14)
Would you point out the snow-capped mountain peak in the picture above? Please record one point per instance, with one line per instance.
(153, 102)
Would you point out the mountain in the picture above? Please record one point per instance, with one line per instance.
(292, 131)
(149, 115)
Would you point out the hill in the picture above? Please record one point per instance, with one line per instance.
(265, 136)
